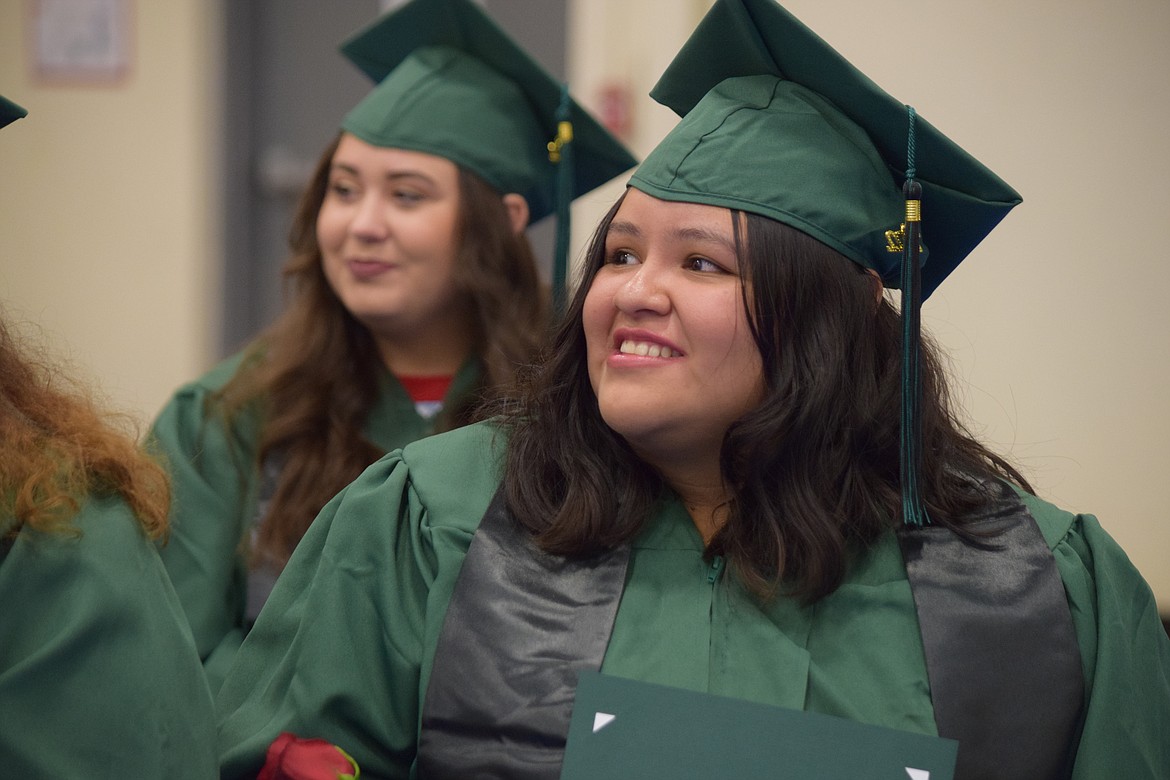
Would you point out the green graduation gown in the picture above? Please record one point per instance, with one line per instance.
(216, 487)
(98, 672)
(343, 649)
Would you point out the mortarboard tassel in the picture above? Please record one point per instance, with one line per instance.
(560, 153)
(913, 513)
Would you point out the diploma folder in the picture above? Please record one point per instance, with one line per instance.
(629, 729)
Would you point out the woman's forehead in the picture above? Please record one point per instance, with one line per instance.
(640, 214)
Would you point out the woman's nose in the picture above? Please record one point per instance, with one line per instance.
(369, 220)
(643, 291)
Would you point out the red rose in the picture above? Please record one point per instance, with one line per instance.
(292, 758)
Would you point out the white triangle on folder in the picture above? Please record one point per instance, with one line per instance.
(603, 719)
(918, 774)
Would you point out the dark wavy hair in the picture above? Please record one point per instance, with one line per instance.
(314, 373)
(58, 448)
(812, 471)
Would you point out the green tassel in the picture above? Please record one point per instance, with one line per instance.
(913, 512)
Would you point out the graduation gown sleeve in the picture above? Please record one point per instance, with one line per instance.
(342, 649)
(1124, 650)
(98, 673)
(214, 477)
(215, 473)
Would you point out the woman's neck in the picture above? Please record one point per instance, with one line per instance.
(704, 495)
(431, 352)
(709, 518)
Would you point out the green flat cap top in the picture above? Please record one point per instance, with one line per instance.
(453, 84)
(775, 122)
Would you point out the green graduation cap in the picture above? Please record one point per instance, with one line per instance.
(10, 112)
(777, 123)
(453, 84)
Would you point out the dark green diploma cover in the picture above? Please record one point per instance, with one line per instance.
(631, 729)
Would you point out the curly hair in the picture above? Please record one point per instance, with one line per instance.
(313, 375)
(57, 448)
(812, 471)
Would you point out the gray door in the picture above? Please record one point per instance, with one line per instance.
(287, 90)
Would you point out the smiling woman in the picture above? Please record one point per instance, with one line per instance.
(414, 296)
(671, 284)
(388, 231)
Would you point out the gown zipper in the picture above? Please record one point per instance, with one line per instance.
(715, 569)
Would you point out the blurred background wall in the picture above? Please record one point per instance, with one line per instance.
(121, 204)
(109, 226)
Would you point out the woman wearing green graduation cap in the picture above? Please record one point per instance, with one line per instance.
(415, 293)
(98, 673)
(736, 473)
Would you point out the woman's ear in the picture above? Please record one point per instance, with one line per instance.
(517, 208)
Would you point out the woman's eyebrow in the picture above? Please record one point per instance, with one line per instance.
(625, 229)
(629, 229)
(391, 176)
(399, 175)
(705, 234)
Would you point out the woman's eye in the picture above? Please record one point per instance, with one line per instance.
(621, 257)
(408, 197)
(341, 190)
(703, 265)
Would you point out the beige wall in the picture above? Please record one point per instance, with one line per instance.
(1058, 324)
(107, 226)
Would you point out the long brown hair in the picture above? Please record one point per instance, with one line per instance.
(812, 471)
(313, 375)
(57, 449)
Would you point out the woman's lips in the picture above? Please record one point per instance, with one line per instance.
(368, 269)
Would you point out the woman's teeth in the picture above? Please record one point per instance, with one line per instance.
(646, 349)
